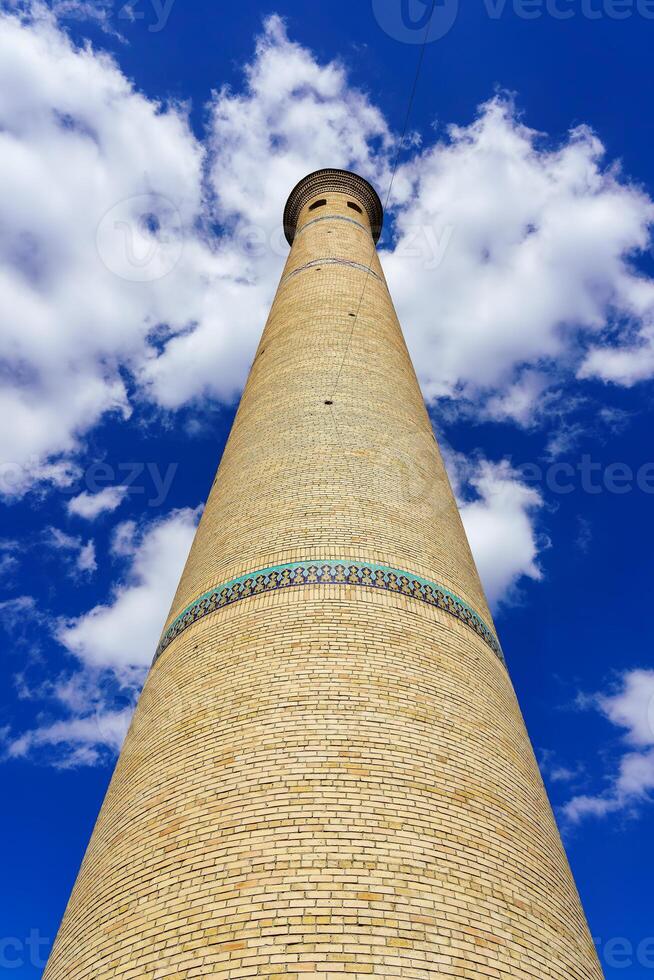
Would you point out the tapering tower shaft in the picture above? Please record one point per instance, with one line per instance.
(327, 771)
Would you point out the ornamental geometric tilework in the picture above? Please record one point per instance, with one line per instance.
(367, 575)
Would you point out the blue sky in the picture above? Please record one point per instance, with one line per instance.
(142, 178)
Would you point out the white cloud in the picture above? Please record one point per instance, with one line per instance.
(82, 552)
(500, 524)
(555, 772)
(630, 706)
(8, 564)
(113, 645)
(77, 143)
(79, 741)
(523, 249)
(518, 402)
(99, 12)
(177, 307)
(537, 257)
(90, 505)
(123, 634)
(124, 538)
(628, 364)
(86, 561)
(294, 116)
(8, 561)
(13, 611)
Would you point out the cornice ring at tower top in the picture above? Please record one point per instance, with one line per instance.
(339, 182)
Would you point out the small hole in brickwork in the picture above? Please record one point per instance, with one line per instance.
(329, 403)
(351, 314)
(318, 204)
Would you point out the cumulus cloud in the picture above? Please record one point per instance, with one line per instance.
(98, 182)
(539, 244)
(90, 505)
(629, 706)
(123, 633)
(116, 272)
(293, 116)
(156, 258)
(499, 513)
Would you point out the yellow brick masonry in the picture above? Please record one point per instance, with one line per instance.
(327, 781)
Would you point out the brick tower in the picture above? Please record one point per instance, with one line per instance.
(327, 773)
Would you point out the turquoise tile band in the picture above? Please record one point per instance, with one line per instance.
(367, 575)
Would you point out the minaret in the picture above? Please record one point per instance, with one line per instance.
(327, 773)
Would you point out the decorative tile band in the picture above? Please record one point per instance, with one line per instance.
(321, 262)
(365, 575)
(331, 217)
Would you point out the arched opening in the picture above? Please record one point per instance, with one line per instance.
(318, 204)
(355, 207)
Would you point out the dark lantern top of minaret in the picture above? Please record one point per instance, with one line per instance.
(334, 181)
